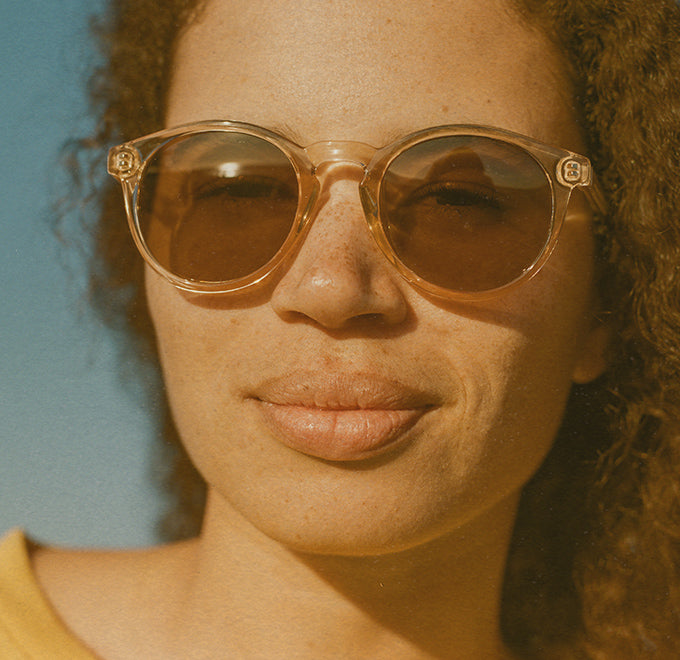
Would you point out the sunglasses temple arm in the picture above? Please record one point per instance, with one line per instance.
(595, 196)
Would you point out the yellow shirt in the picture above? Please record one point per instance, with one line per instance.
(29, 627)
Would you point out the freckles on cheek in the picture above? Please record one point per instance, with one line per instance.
(512, 358)
(200, 340)
(483, 357)
(183, 331)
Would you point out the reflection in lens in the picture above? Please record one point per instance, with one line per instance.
(466, 213)
(217, 206)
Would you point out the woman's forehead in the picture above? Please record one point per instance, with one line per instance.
(370, 71)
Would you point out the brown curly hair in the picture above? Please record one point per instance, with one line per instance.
(593, 567)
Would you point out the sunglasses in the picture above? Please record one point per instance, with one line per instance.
(462, 212)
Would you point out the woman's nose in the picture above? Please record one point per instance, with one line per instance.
(339, 274)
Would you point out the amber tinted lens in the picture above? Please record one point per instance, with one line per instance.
(216, 206)
(466, 213)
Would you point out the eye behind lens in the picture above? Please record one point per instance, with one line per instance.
(216, 206)
(466, 213)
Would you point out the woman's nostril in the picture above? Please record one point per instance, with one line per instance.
(333, 284)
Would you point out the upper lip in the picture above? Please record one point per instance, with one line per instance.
(332, 390)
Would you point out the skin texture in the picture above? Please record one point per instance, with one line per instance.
(398, 555)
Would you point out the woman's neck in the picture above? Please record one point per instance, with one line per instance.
(249, 596)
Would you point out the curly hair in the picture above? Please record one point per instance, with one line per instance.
(593, 569)
(128, 99)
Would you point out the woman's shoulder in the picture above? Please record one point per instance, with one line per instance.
(29, 626)
(86, 599)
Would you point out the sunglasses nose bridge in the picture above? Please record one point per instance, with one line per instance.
(326, 155)
(335, 161)
(341, 161)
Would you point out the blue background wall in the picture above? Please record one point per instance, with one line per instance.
(75, 449)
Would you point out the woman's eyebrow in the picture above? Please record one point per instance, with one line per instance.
(286, 131)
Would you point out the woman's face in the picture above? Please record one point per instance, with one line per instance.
(337, 409)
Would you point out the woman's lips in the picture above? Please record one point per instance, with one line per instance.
(340, 417)
(338, 435)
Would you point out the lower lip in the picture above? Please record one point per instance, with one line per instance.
(339, 435)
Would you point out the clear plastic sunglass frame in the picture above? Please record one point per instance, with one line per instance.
(564, 170)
